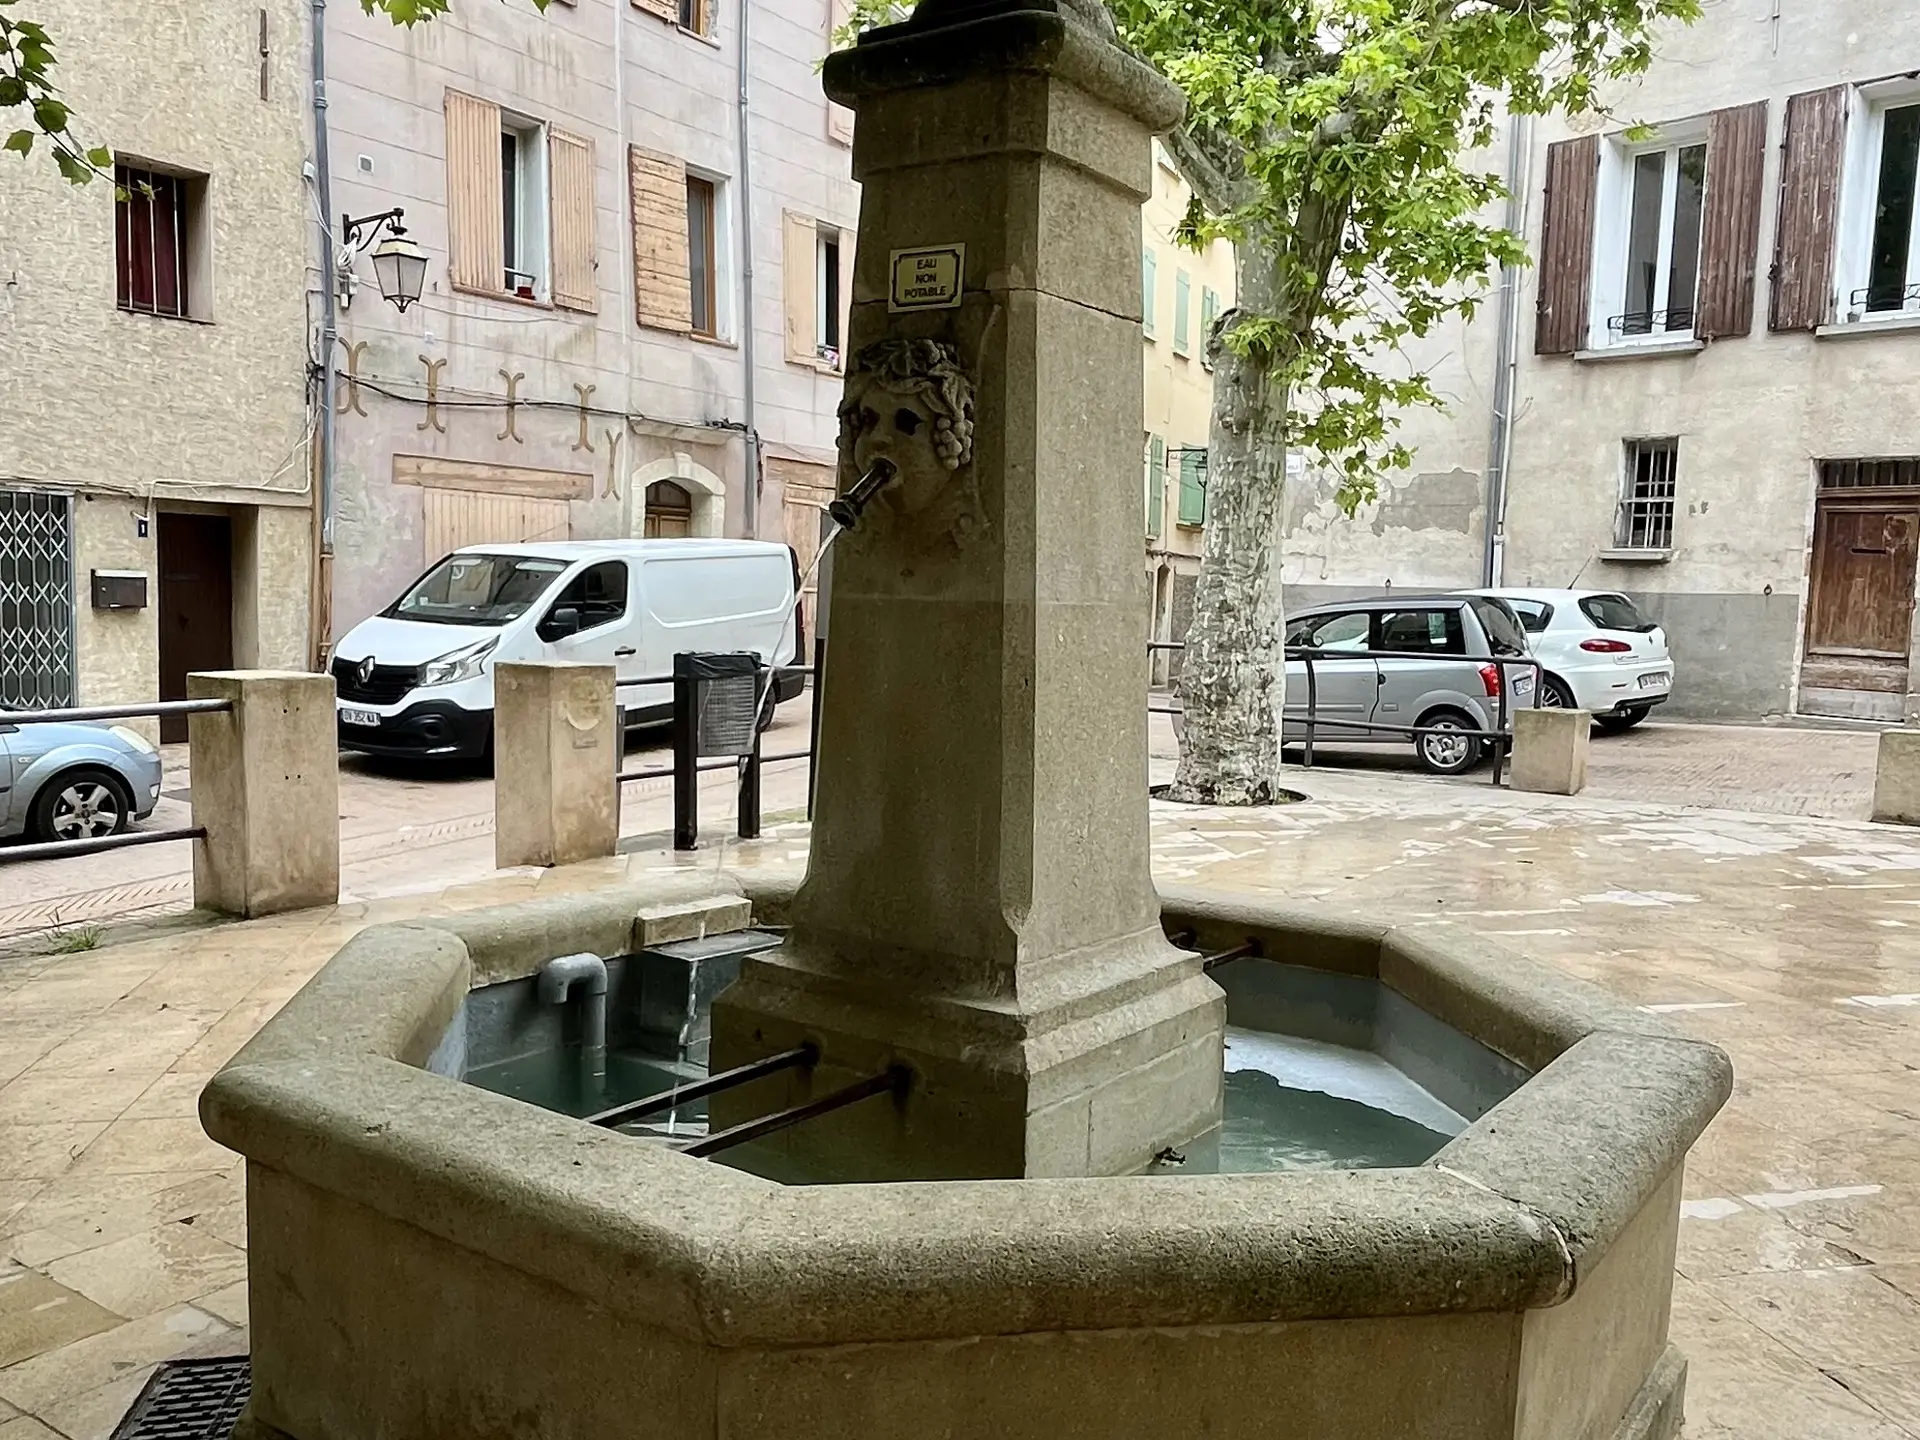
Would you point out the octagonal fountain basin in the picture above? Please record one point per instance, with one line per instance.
(1474, 1238)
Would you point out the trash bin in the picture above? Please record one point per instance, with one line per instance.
(725, 695)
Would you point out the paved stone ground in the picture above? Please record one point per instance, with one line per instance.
(1788, 939)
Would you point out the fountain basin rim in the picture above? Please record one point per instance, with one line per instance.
(1508, 1216)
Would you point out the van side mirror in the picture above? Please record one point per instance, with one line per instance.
(562, 622)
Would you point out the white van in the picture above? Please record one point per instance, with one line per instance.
(417, 679)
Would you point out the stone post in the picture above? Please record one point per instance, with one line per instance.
(556, 750)
(979, 902)
(1550, 751)
(266, 788)
(1896, 778)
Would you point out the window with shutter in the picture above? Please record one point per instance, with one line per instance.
(800, 273)
(665, 9)
(1566, 246)
(1193, 486)
(1156, 484)
(1182, 301)
(1147, 266)
(476, 238)
(1730, 229)
(570, 161)
(1209, 312)
(1877, 253)
(1803, 231)
(663, 285)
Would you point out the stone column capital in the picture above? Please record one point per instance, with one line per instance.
(947, 41)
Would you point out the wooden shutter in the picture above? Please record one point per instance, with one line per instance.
(662, 281)
(1730, 228)
(570, 165)
(1193, 494)
(1566, 247)
(1156, 485)
(848, 240)
(1149, 267)
(1182, 298)
(665, 9)
(1803, 235)
(839, 117)
(800, 262)
(476, 234)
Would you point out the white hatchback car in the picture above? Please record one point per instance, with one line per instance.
(1599, 653)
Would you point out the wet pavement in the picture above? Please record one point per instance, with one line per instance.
(1791, 940)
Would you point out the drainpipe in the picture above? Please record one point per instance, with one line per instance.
(323, 191)
(751, 497)
(557, 977)
(1500, 441)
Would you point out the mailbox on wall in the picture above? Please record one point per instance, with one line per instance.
(119, 590)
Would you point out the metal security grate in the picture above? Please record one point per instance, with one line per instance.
(36, 600)
(190, 1400)
(1869, 474)
(1646, 508)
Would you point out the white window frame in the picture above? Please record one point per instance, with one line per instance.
(1613, 229)
(1867, 107)
(724, 260)
(826, 235)
(531, 208)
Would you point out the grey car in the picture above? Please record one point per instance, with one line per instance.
(66, 781)
(1384, 662)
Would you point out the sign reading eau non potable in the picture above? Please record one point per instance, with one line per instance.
(928, 278)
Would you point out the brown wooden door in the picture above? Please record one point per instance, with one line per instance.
(195, 605)
(1860, 609)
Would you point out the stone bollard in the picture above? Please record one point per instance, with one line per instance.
(556, 750)
(1550, 751)
(266, 788)
(1896, 778)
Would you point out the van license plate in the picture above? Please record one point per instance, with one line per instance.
(369, 718)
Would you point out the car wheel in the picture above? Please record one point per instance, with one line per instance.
(1554, 694)
(1621, 720)
(1443, 745)
(81, 805)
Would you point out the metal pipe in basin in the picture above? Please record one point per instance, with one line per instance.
(558, 977)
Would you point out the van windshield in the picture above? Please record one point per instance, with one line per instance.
(477, 590)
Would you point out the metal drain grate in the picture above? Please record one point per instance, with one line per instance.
(190, 1400)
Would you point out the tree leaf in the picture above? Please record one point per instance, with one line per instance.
(20, 141)
(50, 115)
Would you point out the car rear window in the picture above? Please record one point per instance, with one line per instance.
(1614, 612)
(1508, 638)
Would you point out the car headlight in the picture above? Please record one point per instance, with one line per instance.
(463, 664)
(134, 739)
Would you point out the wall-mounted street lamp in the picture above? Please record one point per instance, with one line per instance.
(399, 264)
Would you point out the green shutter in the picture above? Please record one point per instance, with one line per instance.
(1146, 293)
(1156, 484)
(1193, 487)
(1209, 311)
(1182, 294)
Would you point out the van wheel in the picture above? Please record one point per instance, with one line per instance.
(1442, 744)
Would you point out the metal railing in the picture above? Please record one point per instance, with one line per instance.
(1499, 738)
(87, 714)
(687, 766)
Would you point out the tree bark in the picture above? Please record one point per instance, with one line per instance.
(1232, 673)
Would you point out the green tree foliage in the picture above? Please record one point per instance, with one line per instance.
(33, 115)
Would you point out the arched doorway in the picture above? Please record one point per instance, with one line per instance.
(669, 511)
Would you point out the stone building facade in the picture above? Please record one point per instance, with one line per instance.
(598, 352)
(1182, 292)
(155, 492)
(1712, 379)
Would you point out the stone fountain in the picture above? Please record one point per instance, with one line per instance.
(978, 929)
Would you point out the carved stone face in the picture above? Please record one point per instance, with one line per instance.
(900, 428)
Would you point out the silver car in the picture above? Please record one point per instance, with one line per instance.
(75, 782)
(1382, 662)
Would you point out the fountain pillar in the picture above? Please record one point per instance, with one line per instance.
(978, 902)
